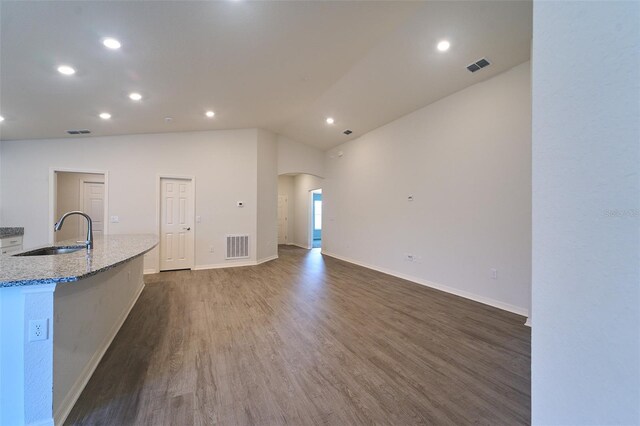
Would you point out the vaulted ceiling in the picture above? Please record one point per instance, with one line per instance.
(281, 66)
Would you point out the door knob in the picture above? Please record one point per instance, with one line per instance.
(186, 229)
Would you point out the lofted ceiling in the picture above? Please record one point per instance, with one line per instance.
(281, 66)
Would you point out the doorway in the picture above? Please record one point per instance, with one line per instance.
(316, 218)
(176, 223)
(83, 191)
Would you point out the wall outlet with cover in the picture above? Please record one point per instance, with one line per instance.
(38, 330)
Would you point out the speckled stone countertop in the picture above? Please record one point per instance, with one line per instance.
(108, 251)
(10, 232)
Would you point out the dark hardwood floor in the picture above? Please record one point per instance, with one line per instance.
(308, 340)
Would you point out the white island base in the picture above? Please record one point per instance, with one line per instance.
(40, 380)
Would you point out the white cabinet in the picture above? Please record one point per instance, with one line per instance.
(10, 245)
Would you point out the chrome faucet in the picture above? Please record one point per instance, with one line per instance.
(89, 241)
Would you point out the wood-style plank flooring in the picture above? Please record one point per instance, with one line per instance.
(308, 340)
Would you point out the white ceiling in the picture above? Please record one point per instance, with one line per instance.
(281, 66)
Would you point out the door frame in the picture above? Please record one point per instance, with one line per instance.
(159, 178)
(316, 197)
(81, 200)
(310, 218)
(53, 195)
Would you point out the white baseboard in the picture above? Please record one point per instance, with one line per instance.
(267, 259)
(528, 323)
(150, 271)
(300, 245)
(74, 393)
(223, 265)
(467, 295)
(234, 264)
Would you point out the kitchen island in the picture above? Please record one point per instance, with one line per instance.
(58, 315)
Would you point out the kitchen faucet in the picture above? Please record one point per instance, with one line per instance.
(89, 241)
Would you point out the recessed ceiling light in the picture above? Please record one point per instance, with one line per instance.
(1, 119)
(444, 45)
(210, 114)
(105, 115)
(135, 96)
(66, 70)
(111, 43)
(330, 120)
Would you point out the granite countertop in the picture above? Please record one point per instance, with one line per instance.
(108, 251)
(10, 232)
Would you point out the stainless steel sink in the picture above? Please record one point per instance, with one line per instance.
(49, 251)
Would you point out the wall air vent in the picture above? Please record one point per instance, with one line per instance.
(237, 246)
(79, 132)
(347, 132)
(481, 63)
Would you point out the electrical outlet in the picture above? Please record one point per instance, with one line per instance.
(494, 274)
(115, 219)
(211, 250)
(38, 330)
(409, 258)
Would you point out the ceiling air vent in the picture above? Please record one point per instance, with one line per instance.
(79, 132)
(481, 63)
(347, 132)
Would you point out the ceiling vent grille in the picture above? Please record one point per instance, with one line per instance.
(237, 246)
(478, 65)
(347, 132)
(79, 132)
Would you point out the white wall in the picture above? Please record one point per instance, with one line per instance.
(285, 187)
(294, 157)
(223, 163)
(68, 199)
(466, 160)
(267, 197)
(302, 184)
(586, 213)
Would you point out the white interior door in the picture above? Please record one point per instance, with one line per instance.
(283, 210)
(176, 227)
(92, 203)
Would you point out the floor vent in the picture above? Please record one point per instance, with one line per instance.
(237, 246)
